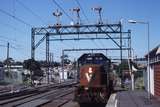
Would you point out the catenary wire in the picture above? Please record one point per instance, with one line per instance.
(31, 11)
(16, 18)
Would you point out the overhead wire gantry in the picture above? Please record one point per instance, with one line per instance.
(78, 31)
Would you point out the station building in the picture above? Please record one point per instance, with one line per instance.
(154, 78)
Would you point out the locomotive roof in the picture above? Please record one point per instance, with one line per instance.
(87, 55)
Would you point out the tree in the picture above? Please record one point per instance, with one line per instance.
(65, 59)
(1, 64)
(8, 61)
(18, 63)
(25, 78)
(34, 68)
(121, 67)
(56, 64)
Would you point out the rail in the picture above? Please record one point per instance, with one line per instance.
(36, 94)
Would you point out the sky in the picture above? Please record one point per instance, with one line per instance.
(38, 13)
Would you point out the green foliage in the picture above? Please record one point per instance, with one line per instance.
(124, 65)
(34, 67)
(8, 74)
(8, 61)
(139, 83)
(31, 65)
(65, 59)
(56, 64)
(26, 78)
(121, 67)
(1, 64)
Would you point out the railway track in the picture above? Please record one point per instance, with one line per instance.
(60, 100)
(29, 90)
(39, 97)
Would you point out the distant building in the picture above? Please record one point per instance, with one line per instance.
(154, 71)
(15, 73)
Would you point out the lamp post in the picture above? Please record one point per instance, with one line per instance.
(148, 56)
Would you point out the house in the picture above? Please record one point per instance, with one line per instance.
(154, 77)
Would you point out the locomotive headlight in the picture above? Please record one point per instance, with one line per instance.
(86, 88)
(90, 70)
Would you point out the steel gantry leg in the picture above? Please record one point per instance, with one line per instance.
(121, 42)
(62, 65)
(47, 55)
(32, 43)
(129, 44)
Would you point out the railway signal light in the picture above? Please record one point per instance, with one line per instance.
(77, 10)
(57, 14)
(99, 11)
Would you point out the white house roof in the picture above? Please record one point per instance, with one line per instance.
(158, 51)
(154, 52)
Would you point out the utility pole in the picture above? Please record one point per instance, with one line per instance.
(8, 50)
(51, 65)
(51, 60)
(47, 56)
(130, 58)
(62, 65)
(8, 56)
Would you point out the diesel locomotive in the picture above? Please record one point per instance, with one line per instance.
(95, 83)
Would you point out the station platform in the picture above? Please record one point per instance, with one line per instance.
(132, 99)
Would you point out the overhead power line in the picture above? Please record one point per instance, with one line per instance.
(62, 10)
(15, 48)
(31, 11)
(10, 46)
(15, 43)
(16, 18)
(2, 45)
(5, 38)
(12, 27)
